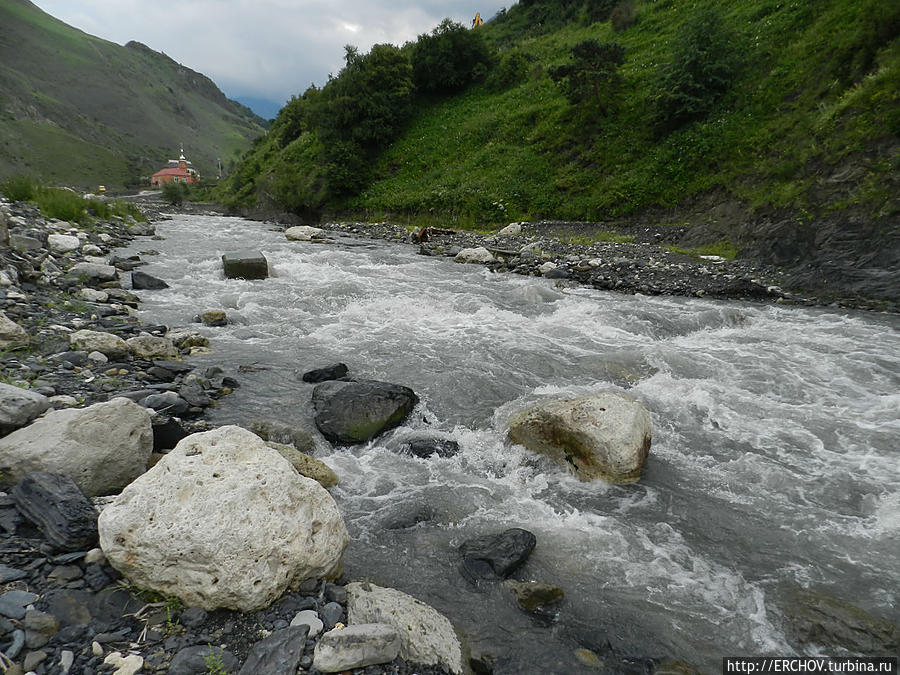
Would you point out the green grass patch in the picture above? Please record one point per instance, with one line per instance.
(66, 204)
(723, 249)
(604, 236)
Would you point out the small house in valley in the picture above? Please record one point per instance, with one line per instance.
(176, 171)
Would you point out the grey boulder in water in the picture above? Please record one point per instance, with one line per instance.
(605, 436)
(245, 265)
(355, 411)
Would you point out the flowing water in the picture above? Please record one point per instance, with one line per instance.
(775, 459)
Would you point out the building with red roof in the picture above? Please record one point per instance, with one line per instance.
(177, 171)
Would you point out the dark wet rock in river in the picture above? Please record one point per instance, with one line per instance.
(141, 281)
(246, 265)
(355, 411)
(426, 445)
(215, 318)
(494, 557)
(816, 618)
(335, 372)
(405, 514)
(58, 508)
(532, 596)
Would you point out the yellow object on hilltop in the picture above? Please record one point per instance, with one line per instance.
(477, 20)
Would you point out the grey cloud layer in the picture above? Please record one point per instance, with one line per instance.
(265, 48)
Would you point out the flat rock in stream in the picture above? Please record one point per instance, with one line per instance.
(355, 411)
(245, 265)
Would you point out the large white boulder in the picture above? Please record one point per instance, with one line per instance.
(63, 243)
(97, 341)
(223, 521)
(304, 233)
(146, 346)
(92, 272)
(426, 635)
(510, 230)
(479, 254)
(102, 448)
(12, 335)
(605, 436)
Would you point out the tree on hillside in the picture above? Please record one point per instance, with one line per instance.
(699, 71)
(448, 58)
(593, 75)
(295, 117)
(361, 110)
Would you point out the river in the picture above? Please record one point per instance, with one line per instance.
(775, 460)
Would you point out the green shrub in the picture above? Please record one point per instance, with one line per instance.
(448, 58)
(700, 70)
(593, 74)
(61, 203)
(20, 188)
(623, 16)
(512, 69)
(174, 193)
(599, 10)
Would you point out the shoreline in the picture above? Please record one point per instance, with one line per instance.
(642, 259)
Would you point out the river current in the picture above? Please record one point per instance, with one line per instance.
(775, 461)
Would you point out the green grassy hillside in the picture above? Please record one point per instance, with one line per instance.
(79, 110)
(807, 122)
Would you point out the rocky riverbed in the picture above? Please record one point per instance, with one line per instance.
(80, 371)
(72, 344)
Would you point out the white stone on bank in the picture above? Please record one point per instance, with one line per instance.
(223, 521)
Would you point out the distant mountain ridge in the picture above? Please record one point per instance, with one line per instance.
(79, 110)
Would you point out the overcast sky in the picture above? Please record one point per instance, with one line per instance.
(268, 49)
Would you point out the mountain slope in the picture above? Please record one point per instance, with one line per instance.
(767, 127)
(79, 110)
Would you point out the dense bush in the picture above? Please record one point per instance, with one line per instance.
(623, 16)
(447, 59)
(20, 188)
(593, 74)
(876, 24)
(174, 193)
(700, 70)
(512, 68)
(360, 111)
(62, 204)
